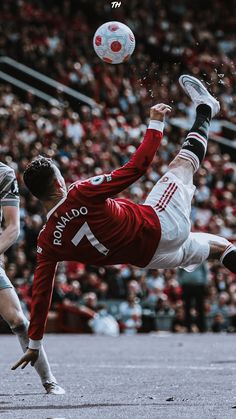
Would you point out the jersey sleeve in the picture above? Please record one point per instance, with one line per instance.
(107, 185)
(9, 191)
(41, 297)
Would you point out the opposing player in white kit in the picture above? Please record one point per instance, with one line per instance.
(86, 224)
(10, 308)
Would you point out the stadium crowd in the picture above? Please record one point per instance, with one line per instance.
(55, 37)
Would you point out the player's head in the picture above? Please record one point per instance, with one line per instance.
(43, 178)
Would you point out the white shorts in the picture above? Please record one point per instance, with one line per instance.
(4, 280)
(171, 200)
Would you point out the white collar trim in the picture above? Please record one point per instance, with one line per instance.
(56, 206)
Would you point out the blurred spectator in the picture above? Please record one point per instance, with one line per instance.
(194, 286)
(90, 300)
(155, 279)
(219, 323)
(73, 293)
(58, 294)
(172, 288)
(220, 310)
(178, 321)
(104, 323)
(163, 306)
(130, 315)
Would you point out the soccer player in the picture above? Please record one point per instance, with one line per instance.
(10, 308)
(86, 224)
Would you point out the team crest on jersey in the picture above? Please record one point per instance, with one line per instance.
(97, 180)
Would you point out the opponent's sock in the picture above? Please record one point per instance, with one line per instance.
(195, 146)
(228, 259)
(41, 365)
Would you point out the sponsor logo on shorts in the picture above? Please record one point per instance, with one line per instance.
(164, 179)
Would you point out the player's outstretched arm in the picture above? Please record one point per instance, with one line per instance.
(41, 300)
(104, 186)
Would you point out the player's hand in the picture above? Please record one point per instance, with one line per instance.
(159, 111)
(30, 356)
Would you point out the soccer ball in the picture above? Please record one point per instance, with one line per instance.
(114, 42)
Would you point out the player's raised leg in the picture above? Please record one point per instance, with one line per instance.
(171, 196)
(194, 148)
(11, 311)
(203, 246)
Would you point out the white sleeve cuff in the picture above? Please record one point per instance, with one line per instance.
(157, 125)
(35, 344)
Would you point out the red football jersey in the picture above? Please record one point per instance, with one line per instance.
(91, 227)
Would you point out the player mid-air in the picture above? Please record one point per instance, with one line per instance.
(86, 224)
(10, 308)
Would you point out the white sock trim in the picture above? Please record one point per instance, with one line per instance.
(157, 125)
(197, 136)
(227, 250)
(35, 344)
(191, 157)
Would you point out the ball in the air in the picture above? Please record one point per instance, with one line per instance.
(114, 42)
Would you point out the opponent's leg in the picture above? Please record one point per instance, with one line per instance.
(11, 311)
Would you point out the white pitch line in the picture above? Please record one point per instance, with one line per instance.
(145, 367)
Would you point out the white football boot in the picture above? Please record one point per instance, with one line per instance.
(198, 93)
(54, 388)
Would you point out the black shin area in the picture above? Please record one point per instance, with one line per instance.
(229, 261)
(195, 145)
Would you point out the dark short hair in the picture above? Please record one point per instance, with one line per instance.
(39, 176)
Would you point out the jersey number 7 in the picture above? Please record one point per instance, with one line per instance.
(86, 231)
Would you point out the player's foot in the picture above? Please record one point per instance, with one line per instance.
(54, 388)
(198, 93)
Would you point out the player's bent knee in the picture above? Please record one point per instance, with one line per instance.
(18, 323)
(217, 249)
(178, 162)
(182, 169)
